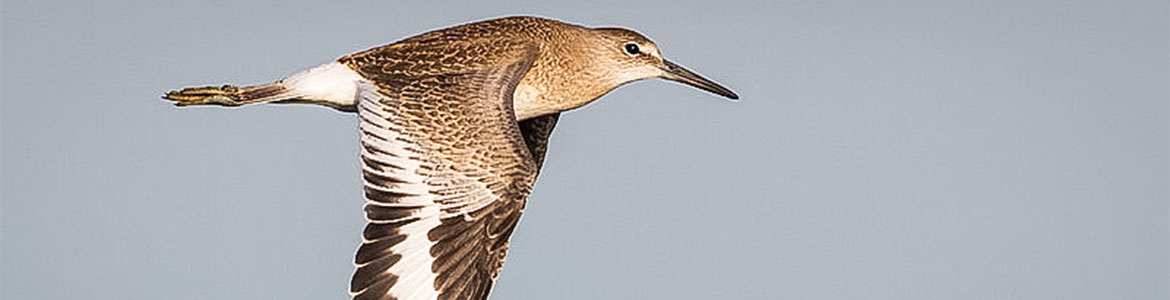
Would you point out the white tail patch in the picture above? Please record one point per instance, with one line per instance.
(332, 82)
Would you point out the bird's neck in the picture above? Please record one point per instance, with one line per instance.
(533, 99)
(561, 82)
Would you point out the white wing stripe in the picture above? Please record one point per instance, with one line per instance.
(414, 269)
(388, 157)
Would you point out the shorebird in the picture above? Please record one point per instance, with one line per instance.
(454, 127)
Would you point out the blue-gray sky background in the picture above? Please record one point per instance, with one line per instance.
(882, 150)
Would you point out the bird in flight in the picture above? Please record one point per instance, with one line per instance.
(454, 127)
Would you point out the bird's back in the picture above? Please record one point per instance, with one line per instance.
(544, 89)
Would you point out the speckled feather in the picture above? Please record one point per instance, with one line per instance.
(453, 114)
(454, 126)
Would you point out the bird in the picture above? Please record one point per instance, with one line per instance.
(454, 126)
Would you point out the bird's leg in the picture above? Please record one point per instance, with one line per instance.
(228, 95)
(332, 84)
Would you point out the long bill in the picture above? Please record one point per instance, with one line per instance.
(676, 72)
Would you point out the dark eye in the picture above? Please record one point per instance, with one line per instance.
(632, 49)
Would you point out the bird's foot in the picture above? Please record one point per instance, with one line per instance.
(227, 95)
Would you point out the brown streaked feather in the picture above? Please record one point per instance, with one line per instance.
(440, 142)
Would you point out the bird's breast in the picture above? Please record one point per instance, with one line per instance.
(540, 94)
(528, 102)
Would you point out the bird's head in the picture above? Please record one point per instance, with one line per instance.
(631, 56)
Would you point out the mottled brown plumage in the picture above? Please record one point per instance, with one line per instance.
(454, 127)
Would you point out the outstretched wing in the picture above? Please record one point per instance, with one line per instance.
(447, 170)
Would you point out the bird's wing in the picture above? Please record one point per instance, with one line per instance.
(536, 131)
(447, 171)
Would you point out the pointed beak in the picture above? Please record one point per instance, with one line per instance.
(676, 72)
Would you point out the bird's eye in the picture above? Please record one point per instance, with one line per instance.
(632, 49)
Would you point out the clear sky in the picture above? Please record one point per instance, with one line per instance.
(882, 150)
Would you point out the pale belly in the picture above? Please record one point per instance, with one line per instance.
(527, 103)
